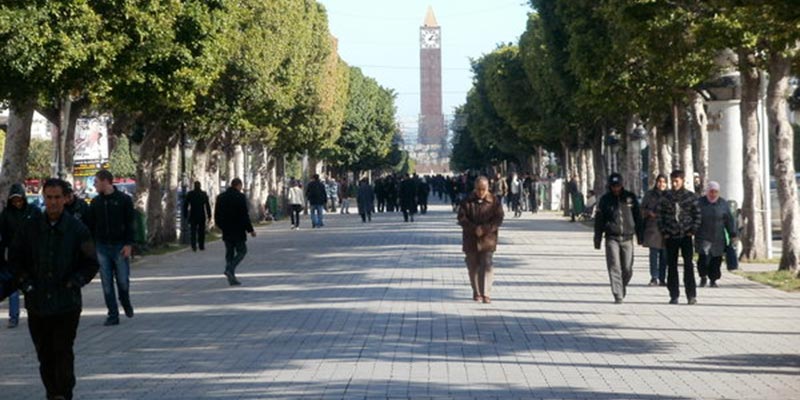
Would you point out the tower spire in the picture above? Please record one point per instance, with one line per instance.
(430, 19)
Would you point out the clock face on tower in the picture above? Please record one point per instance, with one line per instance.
(429, 38)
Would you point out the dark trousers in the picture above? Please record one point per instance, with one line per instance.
(197, 234)
(408, 213)
(296, 210)
(53, 337)
(709, 266)
(234, 254)
(366, 216)
(684, 245)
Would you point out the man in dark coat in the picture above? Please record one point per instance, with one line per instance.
(317, 196)
(198, 211)
(423, 192)
(17, 211)
(75, 205)
(110, 220)
(366, 200)
(54, 257)
(480, 216)
(408, 198)
(619, 219)
(679, 219)
(232, 217)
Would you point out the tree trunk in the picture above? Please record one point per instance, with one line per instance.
(753, 239)
(15, 154)
(665, 152)
(655, 160)
(685, 148)
(583, 175)
(199, 171)
(170, 227)
(600, 173)
(149, 175)
(783, 143)
(700, 121)
(632, 157)
(238, 162)
(257, 167)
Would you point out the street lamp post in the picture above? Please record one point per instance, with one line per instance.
(638, 134)
(612, 144)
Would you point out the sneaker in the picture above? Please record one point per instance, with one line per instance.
(653, 282)
(111, 321)
(128, 311)
(12, 323)
(713, 284)
(703, 281)
(673, 300)
(232, 279)
(692, 301)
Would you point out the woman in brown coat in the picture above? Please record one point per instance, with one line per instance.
(480, 217)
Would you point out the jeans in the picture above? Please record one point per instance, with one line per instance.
(619, 261)
(295, 213)
(53, 337)
(345, 206)
(114, 267)
(658, 264)
(709, 266)
(316, 215)
(197, 234)
(234, 254)
(686, 248)
(13, 306)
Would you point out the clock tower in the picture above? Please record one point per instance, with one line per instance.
(431, 120)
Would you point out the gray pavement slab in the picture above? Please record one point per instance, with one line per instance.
(384, 311)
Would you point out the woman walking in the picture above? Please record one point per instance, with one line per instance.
(296, 200)
(652, 235)
(710, 241)
(480, 217)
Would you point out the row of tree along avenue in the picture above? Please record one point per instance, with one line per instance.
(247, 88)
(594, 81)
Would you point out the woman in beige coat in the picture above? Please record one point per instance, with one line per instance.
(480, 217)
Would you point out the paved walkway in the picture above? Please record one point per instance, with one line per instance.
(384, 310)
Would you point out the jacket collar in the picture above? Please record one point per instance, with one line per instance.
(489, 198)
(60, 226)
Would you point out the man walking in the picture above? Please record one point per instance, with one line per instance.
(499, 188)
(408, 198)
(198, 211)
(54, 257)
(480, 217)
(296, 201)
(110, 220)
(679, 219)
(75, 205)
(231, 216)
(366, 200)
(619, 219)
(15, 214)
(317, 197)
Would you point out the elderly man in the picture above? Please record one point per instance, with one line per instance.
(480, 217)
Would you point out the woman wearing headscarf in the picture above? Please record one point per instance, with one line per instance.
(653, 239)
(711, 240)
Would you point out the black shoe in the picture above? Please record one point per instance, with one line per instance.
(128, 311)
(618, 300)
(111, 321)
(692, 301)
(232, 279)
(662, 283)
(202, 248)
(653, 282)
(703, 281)
(673, 300)
(194, 249)
(713, 284)
(12, 323)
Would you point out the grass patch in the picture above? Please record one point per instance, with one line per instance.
(774, 261)
(783, 280)
(165, 249)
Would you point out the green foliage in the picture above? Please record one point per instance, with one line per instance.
(2, 143)
(122, 165)
(40, 157)
(369, 126)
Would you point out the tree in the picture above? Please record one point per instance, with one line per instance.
(39, 158)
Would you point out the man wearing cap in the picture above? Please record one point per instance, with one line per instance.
(75, 205)
(619, 219)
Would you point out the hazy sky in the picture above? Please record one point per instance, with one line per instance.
(382, 37)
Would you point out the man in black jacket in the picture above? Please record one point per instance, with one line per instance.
(15, 214)
(110, 220)
(619, 219)
(678, 221)
(232, 217)
(317, 196)
(75, 205)
(198, 211)
(54, 257)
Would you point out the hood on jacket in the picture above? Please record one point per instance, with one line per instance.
(16, 190)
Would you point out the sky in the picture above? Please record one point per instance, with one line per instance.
(382, 38)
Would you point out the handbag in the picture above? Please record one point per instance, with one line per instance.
(731, 257)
